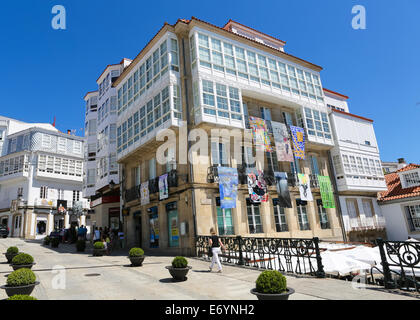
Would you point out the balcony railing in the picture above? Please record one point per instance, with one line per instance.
(366, 223)
(53, 203)
(132, 193)
(314, 181)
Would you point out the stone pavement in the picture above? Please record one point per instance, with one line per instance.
(112, 277)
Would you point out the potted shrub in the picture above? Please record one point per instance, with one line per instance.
(179, 268)
(22, 260)
(272, 285)
(47, 241)
(22, 281)
(136, 256)
(55, 242)
(98, 249)
(80, 245)
(21, 297)
(10, 253)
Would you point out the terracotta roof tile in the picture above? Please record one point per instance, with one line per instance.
(395, 190)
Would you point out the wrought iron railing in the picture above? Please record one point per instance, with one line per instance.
(314, 180)
(400, 262)
(297, 256)
(154, 185)
(132, 194)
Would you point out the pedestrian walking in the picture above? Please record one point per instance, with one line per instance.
(121, 238)
(215, 243)
(108, 244)
(96, 235)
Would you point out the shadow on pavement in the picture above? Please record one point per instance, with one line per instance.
(172, 280)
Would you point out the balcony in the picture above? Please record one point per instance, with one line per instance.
(52, 203)
(365, 223)
(314, 181)
(132, 194)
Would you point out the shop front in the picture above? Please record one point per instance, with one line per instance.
(173, 225)
(154, 227)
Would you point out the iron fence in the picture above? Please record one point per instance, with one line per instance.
(297, 256)
(400, 262)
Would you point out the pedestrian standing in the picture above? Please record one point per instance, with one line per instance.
(215, 244)
(121, 238)
(96, 235)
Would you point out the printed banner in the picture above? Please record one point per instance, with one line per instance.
(257, 187)
(327, 195)
(260, 133)
(228, 186)
(305, 187)
(281, 140)
(283, 189)
(298, 138)
(163, 187)
(144, 193)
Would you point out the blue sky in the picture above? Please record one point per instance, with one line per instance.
(46, 72)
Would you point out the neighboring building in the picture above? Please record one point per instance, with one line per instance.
(41, 168)
(212, 77)
(358, 171)
(400, 204)
(390, 167)
(101, 182)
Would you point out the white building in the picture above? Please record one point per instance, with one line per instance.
(101, 168)
(400, 204)
(39, 167)
(358, 172)
(390, 167)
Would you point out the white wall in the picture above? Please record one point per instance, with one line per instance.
(397, 227)
(345, 214)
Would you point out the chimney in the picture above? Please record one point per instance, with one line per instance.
(68, 131)
(401, 163)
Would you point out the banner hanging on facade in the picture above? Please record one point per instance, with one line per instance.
(144, 193)
(283, 189)
(327, 195)
(257, 187)
(228, 187)
(260, 133)
(305, 187)
(163, 187)
(282, 142)
(298, 138)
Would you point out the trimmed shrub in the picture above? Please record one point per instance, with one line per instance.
(22, 258)
(21, 277)
(271, 281)
(47, 240)
(179, 262)
(136, 252)
(98, 245)
(81, 245)
(21, 297)
(12, 250)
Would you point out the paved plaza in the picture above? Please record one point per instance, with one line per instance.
(112, 277)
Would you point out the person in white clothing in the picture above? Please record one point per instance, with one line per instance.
(215, 243)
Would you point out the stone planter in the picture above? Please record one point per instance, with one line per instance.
(20, 266)
(10, 256)
(136, 261)
(99, 252)
(273, 296)
(11, 291)
(178, 274)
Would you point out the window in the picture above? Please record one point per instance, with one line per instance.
(322, 215)
(314, 165)
(218, 154)
(91, 178)
(46, 141)
(302, 215)
(136, 176)
(152, 168)
(224, 220)
(412, 179)
(317, 123)
(62, 145)
(20, 192)
(368, 208)
(43, 192)
(279, 217)
(76, 196)
(171, 160)
(413, 217)
(352, 208)
(254, 217)
(77, 147)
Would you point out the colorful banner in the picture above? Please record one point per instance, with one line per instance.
(305, 187)
(228, 187)
(298, 138)
(144, 193)
(327, 195)
(163, 187)
(281, 140)
(257, 187)
(260, 133)
(283, 189)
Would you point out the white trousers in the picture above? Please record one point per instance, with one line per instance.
(215, 258)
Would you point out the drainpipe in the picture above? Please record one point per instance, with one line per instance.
(191, 169)
(337, 199)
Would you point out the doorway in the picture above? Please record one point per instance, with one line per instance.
(137, 230)
(17, 225)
